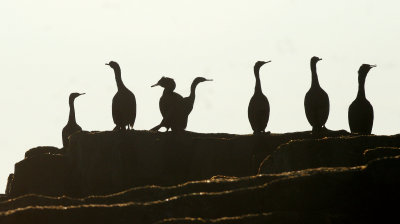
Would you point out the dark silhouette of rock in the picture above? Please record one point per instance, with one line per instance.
(258, 110)
(360, 194)
(327, 152)
(380, 152)
(41, 174)
(107, 162)
(71, 126)
(10, 182)
(171, 105)
(316, 101)
(123, 103)
(42, 150)
(208, 178)
(361, 112)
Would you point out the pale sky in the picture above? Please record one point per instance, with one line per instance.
(49, 49)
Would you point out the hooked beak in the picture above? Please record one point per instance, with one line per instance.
(265, 62)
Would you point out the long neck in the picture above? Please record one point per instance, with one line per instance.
(71, 118)
(314, 76)
(361, 86)
(193, 91)
(257, 88)
(118, 78)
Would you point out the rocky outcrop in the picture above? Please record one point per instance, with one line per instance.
(42, 174)
(322, 195)
(107, 162)
(325, 152)
(145, 177)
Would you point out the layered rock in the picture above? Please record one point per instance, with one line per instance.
(107, 162)
(323, 195)
(144, 177)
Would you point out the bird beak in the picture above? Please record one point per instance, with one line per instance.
(268, 61)
(209, 80)
(82, 94)
(319, 59)
(155, 85)
(372, 66)
(107, 64)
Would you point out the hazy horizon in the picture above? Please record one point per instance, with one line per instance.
(50, 49)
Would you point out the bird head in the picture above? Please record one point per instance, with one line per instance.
(201, 79)
(113, 64)
(72, 96)
(315, 59)
(364, 68)
(166, 83)
(258, 64)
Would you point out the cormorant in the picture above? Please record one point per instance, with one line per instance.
(123, 103)
(361, 112)
(188, 102)
(170, 103)
(258, 110)
(316, 101)
(71, 126)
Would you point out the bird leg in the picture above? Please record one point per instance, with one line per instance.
(156, 128)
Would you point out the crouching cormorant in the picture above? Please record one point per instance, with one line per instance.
(123, 103)
(361, 112)
(71, 126)
(316, 101)
(258, 110)
(170, 104)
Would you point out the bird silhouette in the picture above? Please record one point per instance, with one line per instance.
(316, 101)
(71, 126)
(361, 112)
(123, 103)
(258, 110)
(188, 101)
(170, 104)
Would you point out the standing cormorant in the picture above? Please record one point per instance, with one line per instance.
(361, 112)
(170, 103)
(123, 103)
(316, 101)
(188, 102)
(258, 110)
(71, 126)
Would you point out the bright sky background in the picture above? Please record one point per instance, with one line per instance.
(49, 49)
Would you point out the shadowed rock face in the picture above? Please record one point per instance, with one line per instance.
(326, 152)
(108, 162)
(323, 195)
(339, 179)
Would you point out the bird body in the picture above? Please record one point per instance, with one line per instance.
(123, 103)
(170, 104)
(316, 101)
(71, 126)
(258, 109)
(361, 112)
(124, 109)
